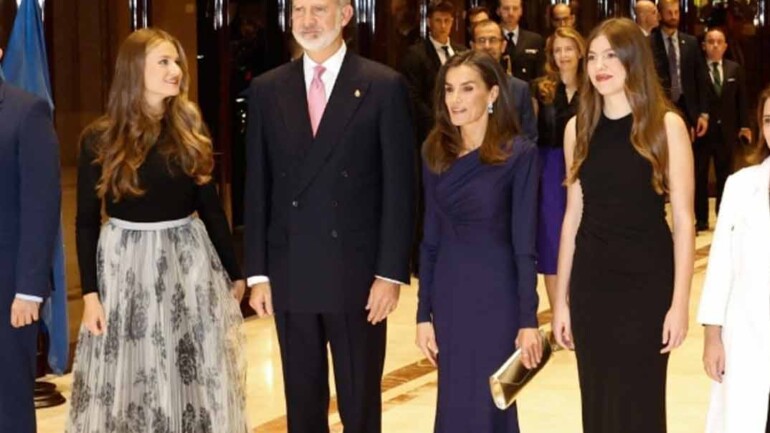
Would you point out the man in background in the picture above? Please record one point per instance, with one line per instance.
(524, 50)
(728, 122)
(646, 16)
(488, 37)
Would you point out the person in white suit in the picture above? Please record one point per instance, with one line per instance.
(735, 306)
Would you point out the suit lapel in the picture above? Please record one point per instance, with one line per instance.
(293, 107)
(349, 90)
(430, 51)
(2, 94)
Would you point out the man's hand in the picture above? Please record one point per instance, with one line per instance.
(238, 289)
(383, 299)
(261, 299)
(702, 126)
(24, 312)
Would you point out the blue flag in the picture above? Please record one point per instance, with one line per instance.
(26, 66)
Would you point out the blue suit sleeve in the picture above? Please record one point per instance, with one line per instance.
(428, 250)
(523, 232)
(527, 113)
(40, 205)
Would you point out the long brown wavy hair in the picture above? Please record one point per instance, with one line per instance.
(444, 143)
(648, 103)
(762, 149)
(546, 85)
(127, 131)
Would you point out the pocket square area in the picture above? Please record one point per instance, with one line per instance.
(531, 51)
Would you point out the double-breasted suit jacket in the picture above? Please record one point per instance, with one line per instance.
(30, 197)
(736, 296)
(324, 215)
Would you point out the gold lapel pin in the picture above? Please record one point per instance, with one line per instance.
(357, 93)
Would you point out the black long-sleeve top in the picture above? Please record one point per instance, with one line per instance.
(553, 117)
(169, 195)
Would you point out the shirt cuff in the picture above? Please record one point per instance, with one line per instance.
(22, 296)
(391, 281)
(257, 279)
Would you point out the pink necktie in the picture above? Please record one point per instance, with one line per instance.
(316, 98)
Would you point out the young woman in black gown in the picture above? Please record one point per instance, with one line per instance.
(624, 282)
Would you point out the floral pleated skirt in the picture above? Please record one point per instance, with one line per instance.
(171, 358)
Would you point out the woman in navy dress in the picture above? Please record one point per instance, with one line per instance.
(624, 277)
(556, 96)
(477, 298)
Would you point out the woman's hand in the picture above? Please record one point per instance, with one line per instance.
(561, 325)
(93, 315)
(238, 289)
(426, 341)
(714, 353)
(675, 327)
(531, 345)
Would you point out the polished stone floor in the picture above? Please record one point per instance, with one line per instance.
(551, 403)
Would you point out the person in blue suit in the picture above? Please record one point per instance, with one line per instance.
(30, 198)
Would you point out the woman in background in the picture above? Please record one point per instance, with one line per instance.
(159, 348)
(556, 96)
(624, 281)
(735, 305)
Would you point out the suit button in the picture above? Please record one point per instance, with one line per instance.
(334, 203)
(334, 234)
(295, 203)
(344, 173)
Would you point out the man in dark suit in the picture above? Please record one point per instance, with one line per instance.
(29, 222)
(422, 61)
(328, 216)
(524, 54)
(728, 122)
(488, 37)
(680, 67)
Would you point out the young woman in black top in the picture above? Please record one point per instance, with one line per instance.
(160, 345)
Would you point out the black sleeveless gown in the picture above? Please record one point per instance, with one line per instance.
(621, 287)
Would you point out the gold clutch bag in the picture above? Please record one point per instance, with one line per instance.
(513, 376)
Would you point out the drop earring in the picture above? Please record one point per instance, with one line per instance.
(490, 108)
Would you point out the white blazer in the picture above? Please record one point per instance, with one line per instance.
(736, 295)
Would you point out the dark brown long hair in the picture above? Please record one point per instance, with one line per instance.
(762, 150)
(649, 104)
(444, 143)
(546, 85)
(127, 131)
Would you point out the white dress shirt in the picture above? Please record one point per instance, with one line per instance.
(515, 34)
(440, 50)
(333, 65)
(720, 67)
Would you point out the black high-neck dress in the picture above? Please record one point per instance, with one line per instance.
(621, 287)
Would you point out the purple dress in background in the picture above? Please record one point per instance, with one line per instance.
(552, 199)
(478, 279)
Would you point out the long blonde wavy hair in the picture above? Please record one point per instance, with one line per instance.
(546, 85)
(648, 103)
(127, 131)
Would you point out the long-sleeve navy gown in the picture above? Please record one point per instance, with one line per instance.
(478, 279)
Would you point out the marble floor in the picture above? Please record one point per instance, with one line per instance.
(550, 404)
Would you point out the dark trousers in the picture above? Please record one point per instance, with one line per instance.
(18, 347)
(710, 146)
(358, 355)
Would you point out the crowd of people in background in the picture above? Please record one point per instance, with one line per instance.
(557, 154)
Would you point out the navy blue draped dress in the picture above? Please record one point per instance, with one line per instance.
(478, 279)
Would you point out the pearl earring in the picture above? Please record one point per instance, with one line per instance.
(490, 108)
